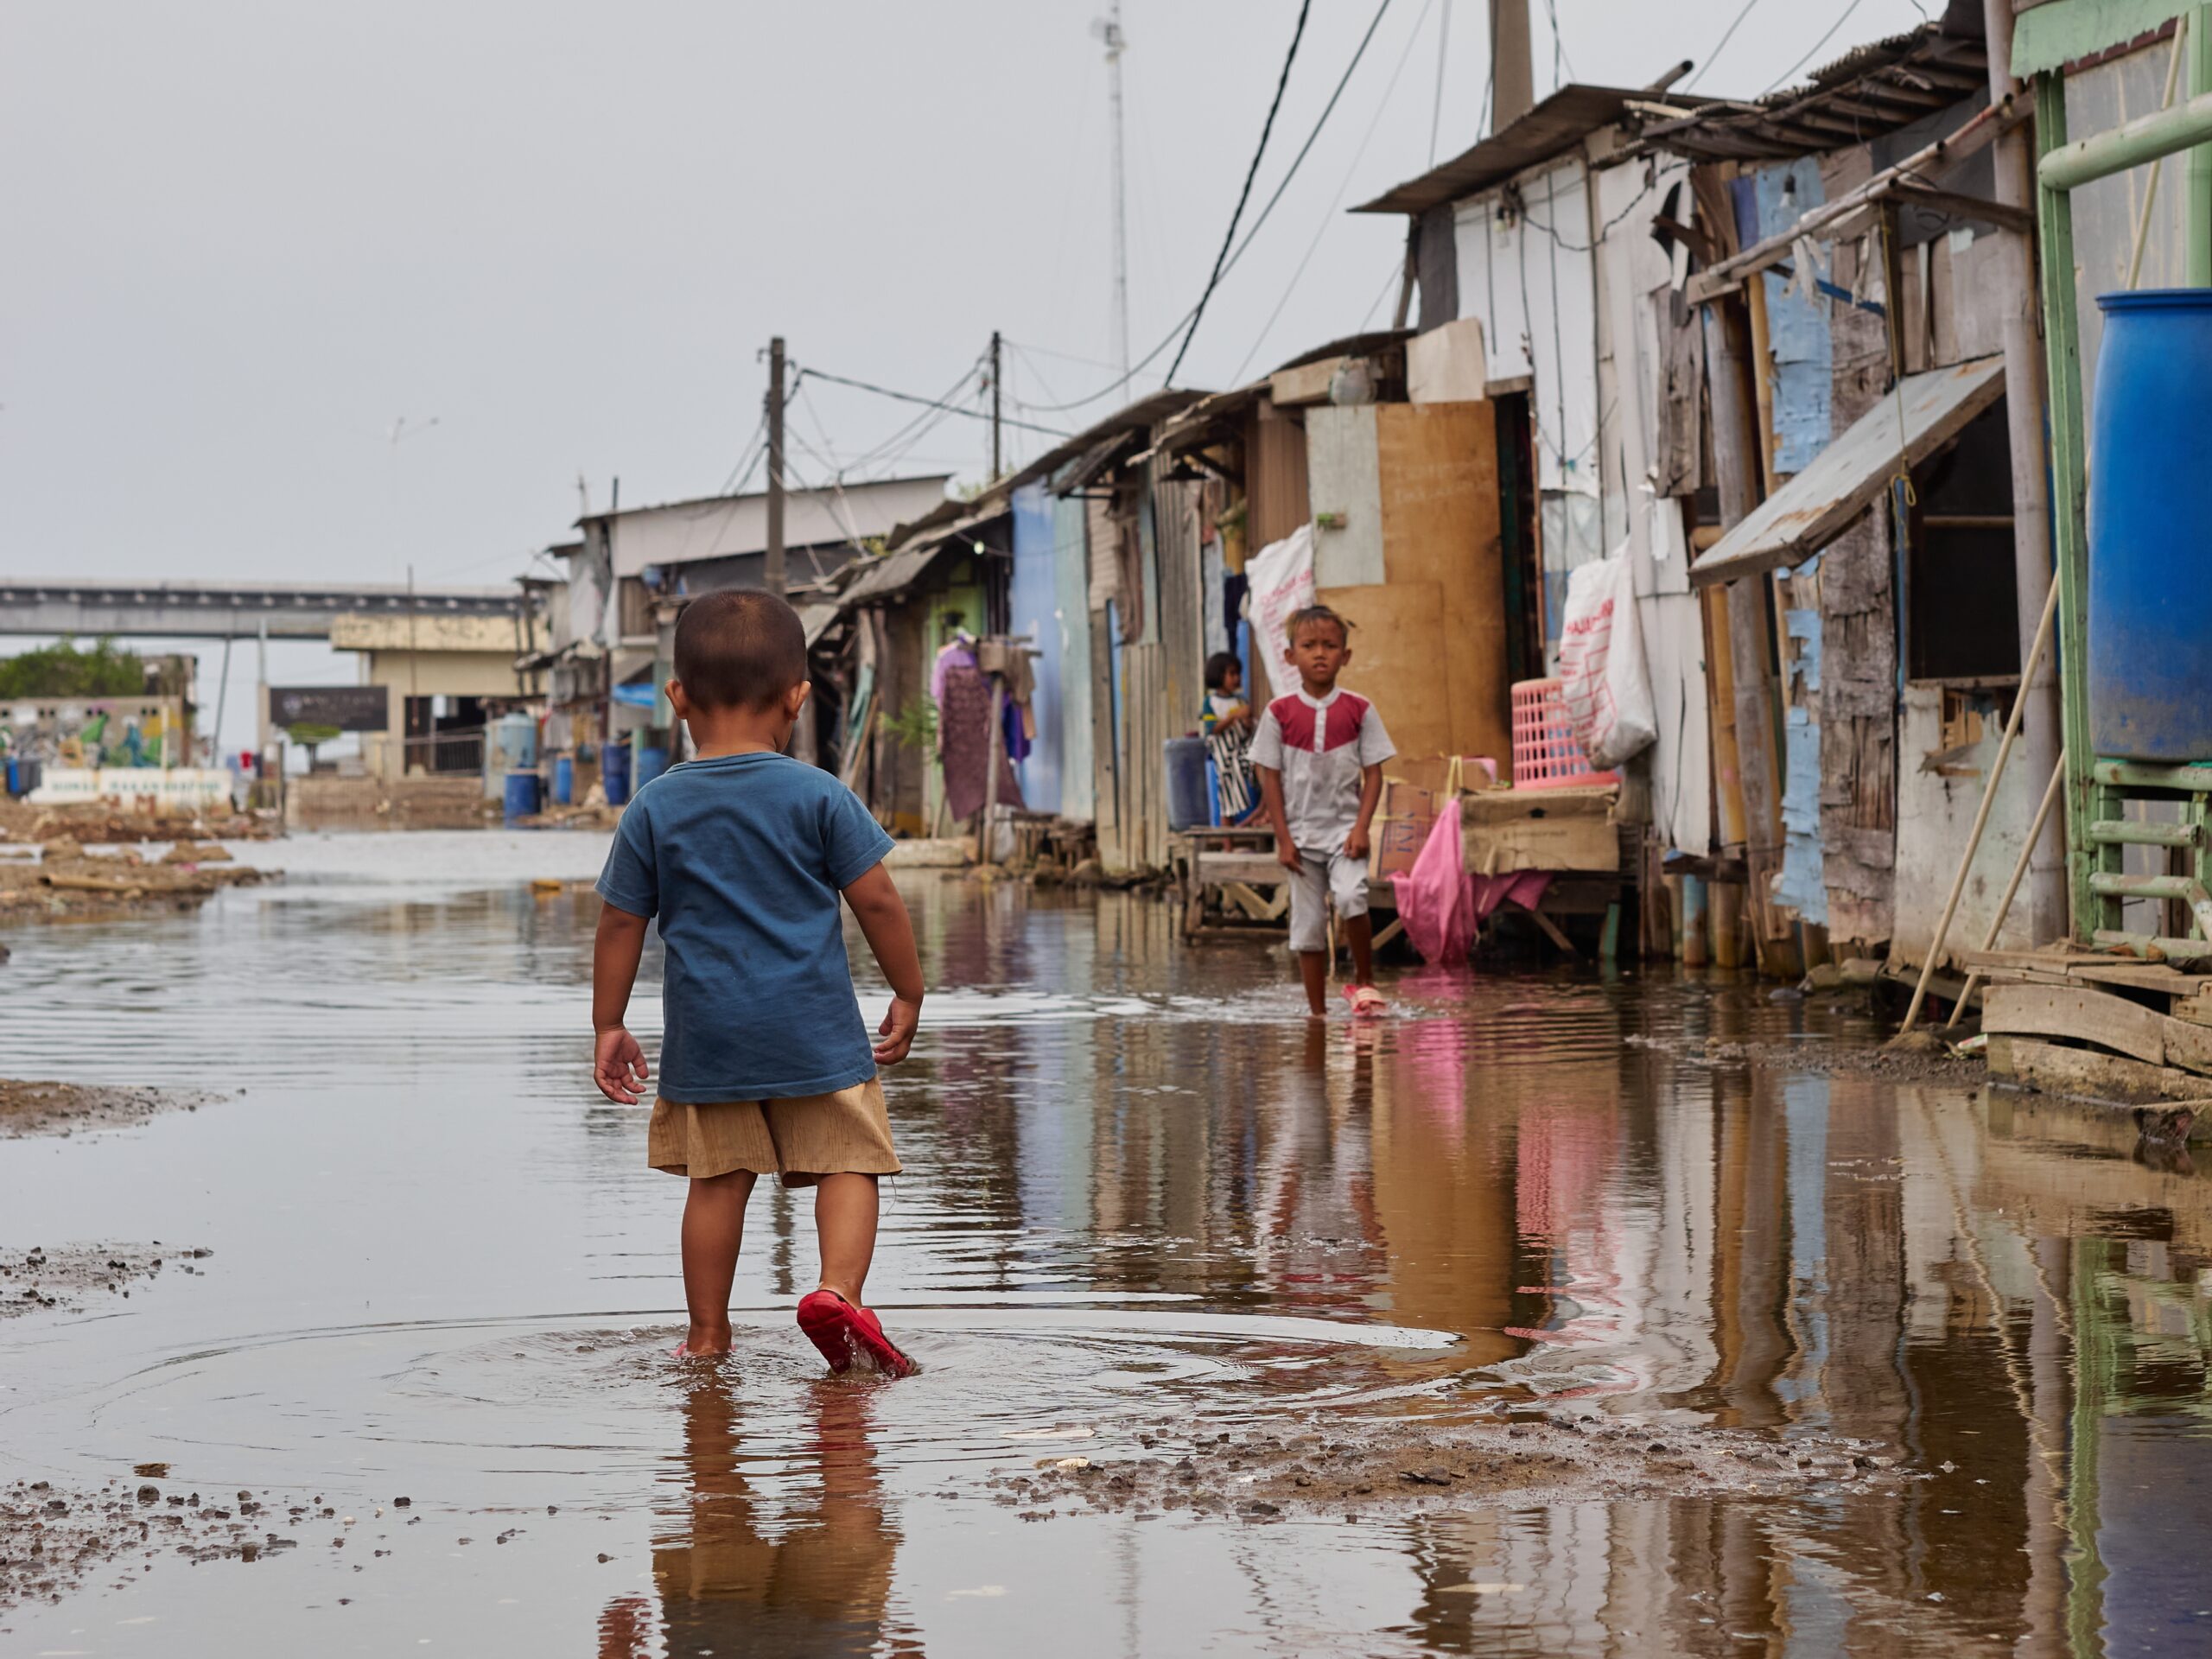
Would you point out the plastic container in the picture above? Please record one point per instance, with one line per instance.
(614, 773)
(1545, 753)
(523, 796)
(517, 736)
(564, 780)
(2150, 529)
(14, 771)
(652, 760)
(1186, 760)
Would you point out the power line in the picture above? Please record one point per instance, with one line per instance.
(1381, 108)
(1816, 45)
(1244, 195)
(1722, 45)
(1259, 219)
(927, 402)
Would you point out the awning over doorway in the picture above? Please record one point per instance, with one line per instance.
(1820, 504)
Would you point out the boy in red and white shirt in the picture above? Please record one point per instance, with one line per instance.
(1319, 755)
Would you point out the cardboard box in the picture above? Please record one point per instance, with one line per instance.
(1402, 822)
(1433, 771)
(1560, 829)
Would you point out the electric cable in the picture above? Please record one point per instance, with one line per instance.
(1785, 76)
(1381, 108)
(1259, 219)
(1722, 45)
(927, 402)
(1229, 236)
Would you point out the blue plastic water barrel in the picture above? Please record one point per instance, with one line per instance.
(564, 779)
(614, 773)
(2150, 529)
(1187, 806)
(652, 760)
(523, 788)
(14, 773)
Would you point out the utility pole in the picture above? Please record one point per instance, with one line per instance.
(1512, 78)
(773, 574)
(1107, 31)
(995, 467)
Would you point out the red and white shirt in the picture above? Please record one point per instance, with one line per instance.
(1320, 746)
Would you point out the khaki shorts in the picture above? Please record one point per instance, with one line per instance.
(802, 1139)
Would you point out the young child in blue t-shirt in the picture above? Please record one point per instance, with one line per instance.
(741, 853)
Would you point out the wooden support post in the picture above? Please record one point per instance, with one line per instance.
(987, 834)
(1724, 905)
(2011, 278)
(1696, 939)
(1750, 646)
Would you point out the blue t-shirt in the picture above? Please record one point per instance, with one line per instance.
(743, 857)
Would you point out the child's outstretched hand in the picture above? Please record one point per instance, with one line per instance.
(619, 1066)
(897, 1031)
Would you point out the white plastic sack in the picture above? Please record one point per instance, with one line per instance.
(1602, 679)
(1280, 575)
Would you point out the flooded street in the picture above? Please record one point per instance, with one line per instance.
(1148, 1205)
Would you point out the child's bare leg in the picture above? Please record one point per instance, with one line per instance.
(714, 1225)
(1360, 931)
(844, 1224)
(1313, 969)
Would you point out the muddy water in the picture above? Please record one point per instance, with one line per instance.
(1149, 1206)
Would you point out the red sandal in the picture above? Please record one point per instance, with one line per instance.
(845, 1333)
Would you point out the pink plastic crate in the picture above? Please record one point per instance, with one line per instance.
(1545, 753)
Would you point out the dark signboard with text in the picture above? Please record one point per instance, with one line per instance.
(349, 708)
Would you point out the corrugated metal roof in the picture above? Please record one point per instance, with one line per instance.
(1554, 127)
(1871, 91)
(1819, 503)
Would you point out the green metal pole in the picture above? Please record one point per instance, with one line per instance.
(2069, 468)
(2199, 264)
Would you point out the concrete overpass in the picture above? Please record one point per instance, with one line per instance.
(226, 610)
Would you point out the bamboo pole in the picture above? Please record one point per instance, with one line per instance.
(2019, 870)
(1981, 813)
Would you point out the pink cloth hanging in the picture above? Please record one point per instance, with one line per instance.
(1442, 905)
(1436, 899)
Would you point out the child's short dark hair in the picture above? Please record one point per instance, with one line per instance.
(1219, 668)
(740, 648)
(1317, 613)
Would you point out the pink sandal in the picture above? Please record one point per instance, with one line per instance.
(1367, 1002)
(845, 1333)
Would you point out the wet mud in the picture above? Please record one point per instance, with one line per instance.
(1357, 1469)
(28, 1108)
(1913, 1064)
(69, 883)
(46, 1279)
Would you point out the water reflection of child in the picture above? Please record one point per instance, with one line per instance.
(819, 1586)
(767, 1067)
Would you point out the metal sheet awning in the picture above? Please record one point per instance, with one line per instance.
(1819, 503)
(1552, 128)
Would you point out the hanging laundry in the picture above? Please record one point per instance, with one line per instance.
(959, 652)
(964, 734)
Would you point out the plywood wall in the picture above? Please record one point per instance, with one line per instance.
(1429, 641)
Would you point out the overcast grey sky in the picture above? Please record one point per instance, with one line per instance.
(244, 238)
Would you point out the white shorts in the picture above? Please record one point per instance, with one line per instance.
(1320, 878)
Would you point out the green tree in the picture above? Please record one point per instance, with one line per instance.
(60, 669)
